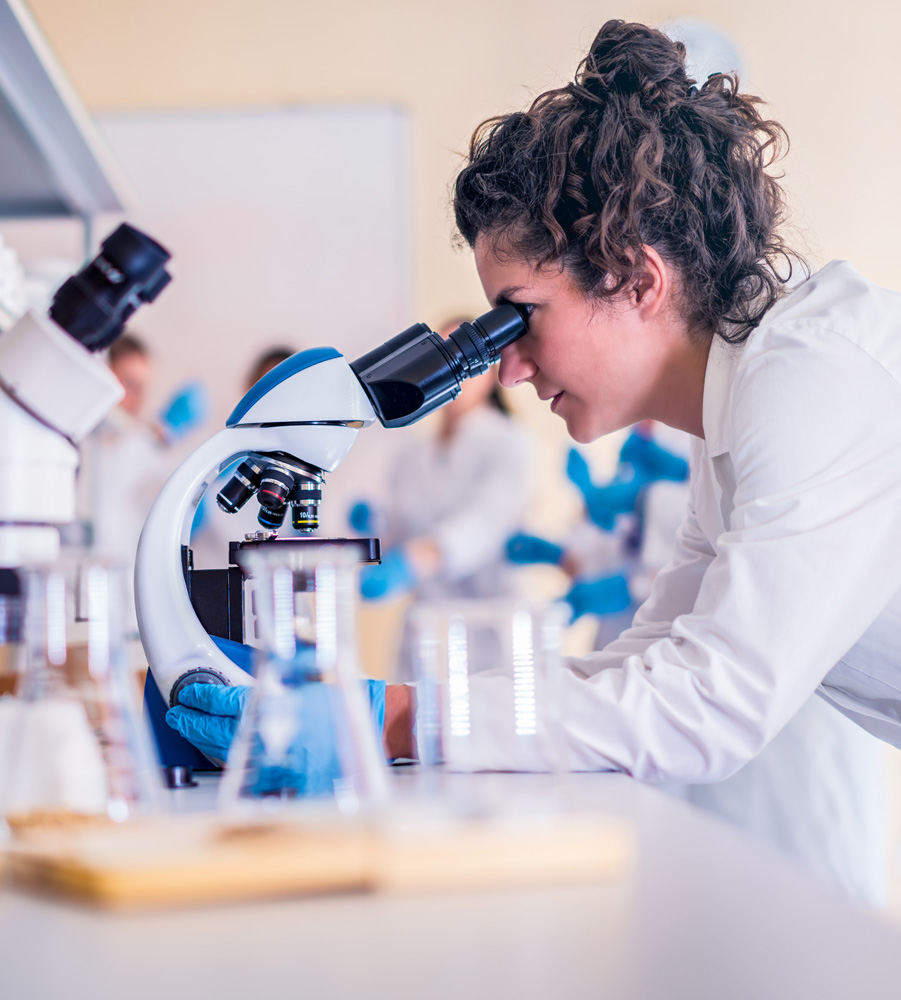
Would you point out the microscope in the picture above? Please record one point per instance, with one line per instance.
(290, 429)
(55, 390)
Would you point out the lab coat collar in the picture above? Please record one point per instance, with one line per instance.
(716, 415)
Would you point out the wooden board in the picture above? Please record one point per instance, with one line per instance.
(188, 860)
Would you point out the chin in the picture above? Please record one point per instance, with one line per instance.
(581, 434)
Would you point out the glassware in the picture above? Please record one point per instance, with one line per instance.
(307, 731)
(487, 691)
(76, 742)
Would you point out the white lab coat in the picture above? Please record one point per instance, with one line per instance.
(123, 466)
(469, 495)
(786, 575)
(817, 791)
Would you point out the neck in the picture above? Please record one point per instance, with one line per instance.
(679, 397)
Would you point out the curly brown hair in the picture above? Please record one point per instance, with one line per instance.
(633, 154)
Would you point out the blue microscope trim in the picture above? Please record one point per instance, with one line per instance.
(287, 368)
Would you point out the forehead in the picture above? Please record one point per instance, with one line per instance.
(504, 275)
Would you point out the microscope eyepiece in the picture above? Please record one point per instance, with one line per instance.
(417, 371)
(94, 305)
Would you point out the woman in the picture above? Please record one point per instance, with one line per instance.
(631, 213)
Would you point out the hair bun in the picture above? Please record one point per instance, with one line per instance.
(632, 59)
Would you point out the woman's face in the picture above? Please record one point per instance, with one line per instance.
(598, 364)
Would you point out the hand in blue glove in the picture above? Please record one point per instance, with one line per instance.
(209, 716)
(528, 549)
(392, 577)
(185, 411)
(604, 596)
(651, 462)
(602, 503)
(361, 518)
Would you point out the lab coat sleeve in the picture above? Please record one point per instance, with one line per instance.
(807, 560)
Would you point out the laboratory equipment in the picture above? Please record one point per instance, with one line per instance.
(75, 742)
(290, 429)
(312, 726)
(56, 389)
(488, 667)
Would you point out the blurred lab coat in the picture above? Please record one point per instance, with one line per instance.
(122, 468)
(469, 495)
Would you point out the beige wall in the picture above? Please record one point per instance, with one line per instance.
(829, 77)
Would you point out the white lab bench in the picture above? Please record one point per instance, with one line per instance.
(706, 913)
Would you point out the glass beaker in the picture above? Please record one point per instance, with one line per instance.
(77, 745)
(307, 732)
(487, 684)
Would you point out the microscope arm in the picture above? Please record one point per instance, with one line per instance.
(174, 640)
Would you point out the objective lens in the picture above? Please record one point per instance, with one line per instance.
(304, 517)
(272, 517)
(275, 488)
(305, 505)
(240, 488)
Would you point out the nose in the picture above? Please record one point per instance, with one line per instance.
(516, 366)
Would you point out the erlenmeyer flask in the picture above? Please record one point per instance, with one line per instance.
(307, 731)
(78, 742)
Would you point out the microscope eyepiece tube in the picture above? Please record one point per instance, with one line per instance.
(416, 372)
(94, 305)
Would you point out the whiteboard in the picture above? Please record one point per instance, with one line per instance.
(286, 225)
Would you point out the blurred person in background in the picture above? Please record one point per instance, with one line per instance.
(453, 499)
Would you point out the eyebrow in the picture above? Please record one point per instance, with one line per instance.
(504, 295)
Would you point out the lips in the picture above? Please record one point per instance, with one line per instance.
(555, 401)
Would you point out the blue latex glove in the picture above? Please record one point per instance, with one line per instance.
(602, 503)
(209, 716)
(185, 411)
(361, 518)
(651, 462)
(391, 577)
(604, 596)
(528, 549)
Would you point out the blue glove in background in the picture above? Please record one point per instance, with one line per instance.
(186, 410)
(529, 549)
(604, 596)
(602, 503)
(651, 462)
(393, 576)
(209, 716)
(361, 518)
